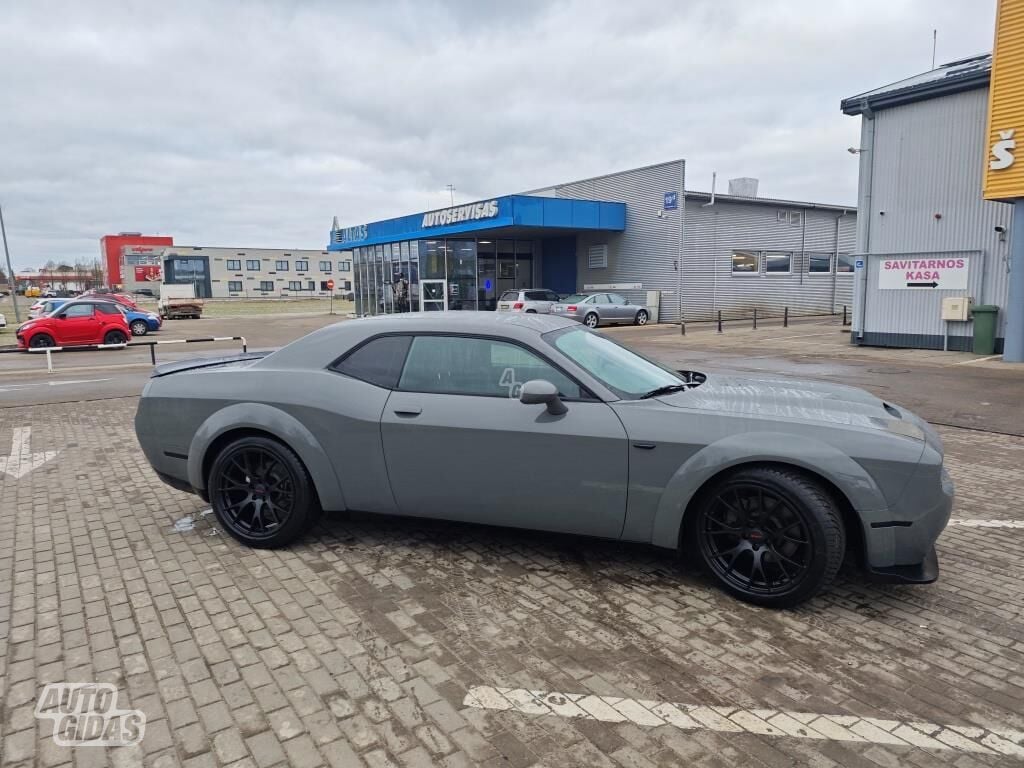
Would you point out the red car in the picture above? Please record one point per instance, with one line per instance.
(74, 324)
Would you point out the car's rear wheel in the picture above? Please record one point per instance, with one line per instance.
(114, 337)
(591, 320)
(139, 328)
(771, 536)
(261, 492)
(41, 341)
(641, 317)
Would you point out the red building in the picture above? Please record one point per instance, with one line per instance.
(110, 252)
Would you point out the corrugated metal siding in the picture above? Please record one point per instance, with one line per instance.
(928, 160)
(714, 232)
(646, 251)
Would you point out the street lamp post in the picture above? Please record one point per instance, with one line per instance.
(10, 272)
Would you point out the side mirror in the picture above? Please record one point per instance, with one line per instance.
(62, 316)
(541, 392)
(625, 301)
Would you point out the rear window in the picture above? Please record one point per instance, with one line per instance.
(509, 296)
(378, 362)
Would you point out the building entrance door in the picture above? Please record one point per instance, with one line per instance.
(433, 295)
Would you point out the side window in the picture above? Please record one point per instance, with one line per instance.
(107, 309)
(470, 366)
(79, 310)
(601, 298)
(377, 362)
(614, 298)
(552, 296)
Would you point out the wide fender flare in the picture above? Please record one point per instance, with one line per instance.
(759, 447)
(281, 425)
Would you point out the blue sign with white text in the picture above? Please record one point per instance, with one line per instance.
(859, 264)
(671, 201)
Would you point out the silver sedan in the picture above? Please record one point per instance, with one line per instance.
(595, 309)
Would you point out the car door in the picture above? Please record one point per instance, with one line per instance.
(460, 445)
(77, 324)
(618, 310)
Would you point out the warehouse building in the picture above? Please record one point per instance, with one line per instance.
(929, 246)
(639, 233)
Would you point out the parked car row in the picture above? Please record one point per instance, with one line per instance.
(93, 319)
(591, 309)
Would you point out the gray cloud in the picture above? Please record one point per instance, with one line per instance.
(253, 123)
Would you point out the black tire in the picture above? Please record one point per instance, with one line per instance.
(257, 469)
(641, 317)
(771, 536)
(114, 337)
(591, 320)
(41, 341)
(531, 312)
(139, 327)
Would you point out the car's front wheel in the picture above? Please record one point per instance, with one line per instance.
(139, 328)
(41, 341)
(641, 317)
(591, 320)
(261, 492)
(772, 536)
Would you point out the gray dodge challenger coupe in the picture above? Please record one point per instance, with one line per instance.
(767, 482)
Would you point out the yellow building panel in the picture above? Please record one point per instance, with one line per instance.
(1004, 170)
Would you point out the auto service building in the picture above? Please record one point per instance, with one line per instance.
(639, 233)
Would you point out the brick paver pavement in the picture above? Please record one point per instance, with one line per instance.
(359, 646)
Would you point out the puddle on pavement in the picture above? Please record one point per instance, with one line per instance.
(188, 522)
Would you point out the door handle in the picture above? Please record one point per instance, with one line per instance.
(409, 411)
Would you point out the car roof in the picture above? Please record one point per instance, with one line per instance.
(340, 337)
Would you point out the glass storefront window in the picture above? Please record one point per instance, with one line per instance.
(461, 274)
(524, 264)
(487, 276)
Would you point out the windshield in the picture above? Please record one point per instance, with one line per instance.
(621, 370)
(576, 298)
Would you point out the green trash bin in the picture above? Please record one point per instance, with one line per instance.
(984, 316)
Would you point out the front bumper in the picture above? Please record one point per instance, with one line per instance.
(924, 572)
(900, 544)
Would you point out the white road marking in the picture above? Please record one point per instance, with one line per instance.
(22, 460)
(12, 387)
(970, 523)
(766, 722)
(977, 360)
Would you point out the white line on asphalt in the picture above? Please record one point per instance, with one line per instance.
(766, 722)
(12, 387)
(967, 523)
(977, 360)
(800, 336)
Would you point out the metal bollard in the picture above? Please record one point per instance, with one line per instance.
(844, 315)
(719, 321)
(152, 353)
(49, 361)
(755, 319)
(785, 317)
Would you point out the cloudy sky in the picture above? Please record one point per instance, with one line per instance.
(253, 123)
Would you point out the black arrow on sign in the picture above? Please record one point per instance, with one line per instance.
(922, 285)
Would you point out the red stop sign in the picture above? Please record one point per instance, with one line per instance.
(330, 285)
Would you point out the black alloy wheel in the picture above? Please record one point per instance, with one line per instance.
(115, 337)
(770, 536)
(261, 492)
(41, 341)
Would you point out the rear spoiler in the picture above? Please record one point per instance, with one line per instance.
(204, 362)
